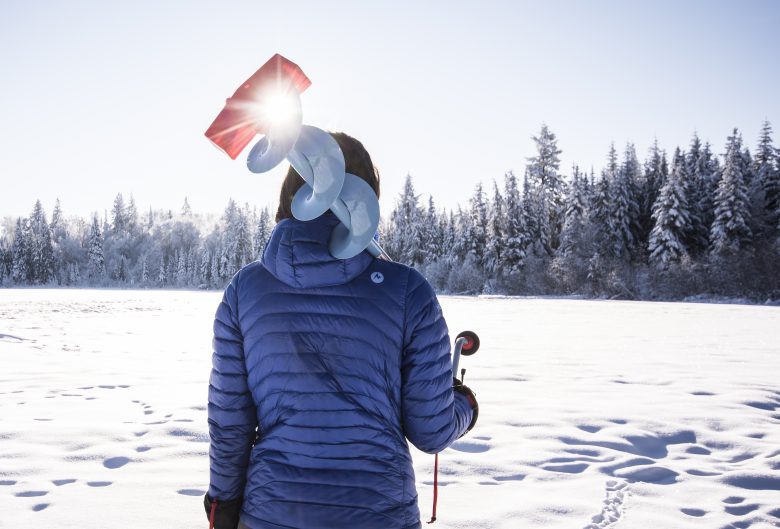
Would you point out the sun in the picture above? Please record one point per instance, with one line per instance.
(278, 110)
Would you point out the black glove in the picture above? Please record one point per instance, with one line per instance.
(458, 386)
(226, 512)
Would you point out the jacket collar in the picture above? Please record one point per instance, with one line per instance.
(297, 254)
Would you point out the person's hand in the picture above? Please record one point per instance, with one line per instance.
(458, 386)
(225, 513)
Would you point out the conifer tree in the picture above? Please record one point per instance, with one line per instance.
(731, 227)
(574, 225)
(549, 188)
(145, 270)
(58, 228)
(448, 236)
(461, 227)
(496, 235)
(767, 171)
(118, 215)
(161, 271)
(216, 273)
(533, 217)
(624, 206)
(710, 168)
(516, 239)
(96, 260)
(41, 250)
(131, 216)
(262, 232)
(21, 255)
(431, 237)
(600, 216)
(406, 226)
(186, 210)
(653, 178)
(181, 269)
(695, 186)
(478, 233)
(670, 213)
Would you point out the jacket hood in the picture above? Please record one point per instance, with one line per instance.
(297, 254)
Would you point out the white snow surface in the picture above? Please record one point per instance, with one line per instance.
(594, 414)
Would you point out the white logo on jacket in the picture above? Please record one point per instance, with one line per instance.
(377, 277)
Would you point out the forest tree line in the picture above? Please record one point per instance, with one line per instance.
(673, 226)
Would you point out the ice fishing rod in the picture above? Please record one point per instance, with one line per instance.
(269, 103)
(466, 343)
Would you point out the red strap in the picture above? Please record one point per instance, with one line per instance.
(213, 511)
(435, 487)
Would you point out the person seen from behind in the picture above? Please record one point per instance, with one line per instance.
(323, 368)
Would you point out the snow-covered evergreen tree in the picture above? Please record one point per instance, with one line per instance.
(670, 213)
(405, 241)
(695, 183)
(21, 270)
(262, 232)
(549, 187)
(461, 225)
(181, 269)
(186, 210)
(654, 176)
(575, 219)
(145, 270)
(4, 259)
(731, 227)
(447, 234)
(767, 171)
(534, 220)
(41, 250)
(496, 236)
(516, 237)
(237, 243)
(431, 235)
(96, 261)
(624, 206)
(204, 267)
(216, 272)
(600, 216)
(162, 273)
(131, 216)
(118, 215)
(478, 227)
(58, 227)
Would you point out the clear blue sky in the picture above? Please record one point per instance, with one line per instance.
(100, 97)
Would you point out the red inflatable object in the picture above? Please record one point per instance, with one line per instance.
(237, 125)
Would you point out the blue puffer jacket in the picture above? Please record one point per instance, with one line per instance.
(322, 368)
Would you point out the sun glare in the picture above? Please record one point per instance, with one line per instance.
(277, 110)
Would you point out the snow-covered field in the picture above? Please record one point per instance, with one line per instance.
(593, 414)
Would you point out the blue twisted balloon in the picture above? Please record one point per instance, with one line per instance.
(317, 157)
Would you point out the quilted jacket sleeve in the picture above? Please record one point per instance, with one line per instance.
(433, 414)
(231, 414)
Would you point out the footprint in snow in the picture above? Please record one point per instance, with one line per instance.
(575, 468)
(740, 510)
(191, 492)
(31, 493)
(116, 462)
(472, 448)
(590, 428)
(612, 506)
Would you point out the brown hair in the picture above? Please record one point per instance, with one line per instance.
(358, 162)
